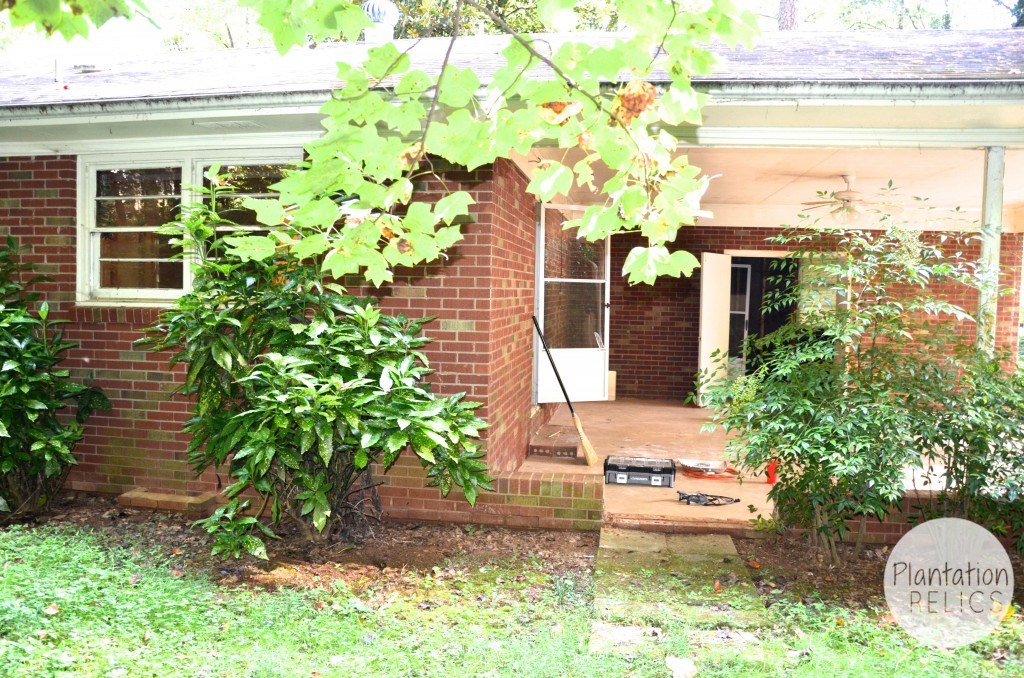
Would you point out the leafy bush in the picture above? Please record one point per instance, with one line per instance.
(871, 376)
(36, 444)
(299, 388)
(974, 434)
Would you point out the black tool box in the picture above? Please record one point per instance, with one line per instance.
(639, 471)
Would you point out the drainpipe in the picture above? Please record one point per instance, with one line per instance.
(384, 15)
(991, 236)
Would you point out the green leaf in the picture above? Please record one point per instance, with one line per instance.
(453, 206)
(311, 245)
(551, 180)
(360, 459)
(423, 445)
(385, 60)
(458, 86)
(221, 355)
(645, 264)
(251, 247)
(254, 546)
(3, 506)
(320, 514)
(396, 441)
(414, 82)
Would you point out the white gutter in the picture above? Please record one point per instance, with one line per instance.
(787, 93)
(130, 110)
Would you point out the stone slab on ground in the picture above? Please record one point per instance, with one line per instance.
(644, 577)
(693, 547)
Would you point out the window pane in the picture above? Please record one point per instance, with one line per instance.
(565, 255)
(167, 275)
(231, 208)
(136, 212)
(574, 314)
(246, 181)
(738, 293)
(134, 182)
(250, 179)
(135, 246)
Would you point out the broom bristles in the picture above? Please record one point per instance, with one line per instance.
(589, 453)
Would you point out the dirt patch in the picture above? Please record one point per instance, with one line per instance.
(387, 554)
(788, 564)
(393, 551)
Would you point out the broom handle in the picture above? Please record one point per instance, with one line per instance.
(551, 360)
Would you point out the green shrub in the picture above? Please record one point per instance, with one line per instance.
(36, 443)
(873, 375)
(298, 388)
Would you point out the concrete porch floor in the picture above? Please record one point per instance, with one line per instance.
(660, 430)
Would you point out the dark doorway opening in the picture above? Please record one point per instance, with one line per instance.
(756, 284)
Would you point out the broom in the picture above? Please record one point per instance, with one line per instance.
(588, 450)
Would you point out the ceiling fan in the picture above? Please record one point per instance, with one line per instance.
(847, 203)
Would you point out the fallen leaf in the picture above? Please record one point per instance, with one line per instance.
(840, 622)
(134, 579)
(799, 634)
(754, 564)
(146, 636)
(177, 552)
(718, 586)
(51, 609)
(177, 573)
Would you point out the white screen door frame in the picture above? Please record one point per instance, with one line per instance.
(582, 298)
(715, 300)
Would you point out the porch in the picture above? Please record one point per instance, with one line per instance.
(659, 429)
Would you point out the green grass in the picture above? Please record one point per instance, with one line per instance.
(123, 612)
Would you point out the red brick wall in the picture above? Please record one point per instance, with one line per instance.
(520, 499)
(138, 441)
(483, 296)
(654, 328)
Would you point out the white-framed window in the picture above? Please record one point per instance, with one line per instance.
(123, 199)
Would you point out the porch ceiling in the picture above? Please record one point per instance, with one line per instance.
(765, 187)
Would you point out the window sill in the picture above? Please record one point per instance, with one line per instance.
(124, 303)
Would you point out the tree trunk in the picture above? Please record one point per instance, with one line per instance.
(861, 532)
(787, 15)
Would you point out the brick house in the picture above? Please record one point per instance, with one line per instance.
(92, 162)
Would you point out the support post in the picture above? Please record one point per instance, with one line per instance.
(991, 237)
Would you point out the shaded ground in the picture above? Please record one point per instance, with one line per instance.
(139, 594)
(390, 549)
(785, 563)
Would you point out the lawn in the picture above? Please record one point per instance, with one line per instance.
(77, 600)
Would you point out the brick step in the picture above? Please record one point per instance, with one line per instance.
(555, 441)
